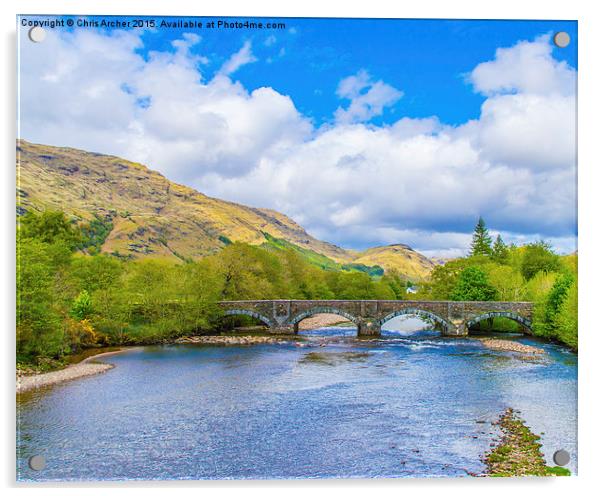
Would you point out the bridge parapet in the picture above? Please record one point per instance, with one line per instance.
(454, 317)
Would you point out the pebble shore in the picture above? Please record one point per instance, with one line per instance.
(28, 382)
(507, 345)
(230, 340)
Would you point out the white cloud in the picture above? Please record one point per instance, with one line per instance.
(417, 181)
(236, 61)
(368, 98)
(527, 67)
(93, 91)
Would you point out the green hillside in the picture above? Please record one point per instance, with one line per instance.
(134, 212)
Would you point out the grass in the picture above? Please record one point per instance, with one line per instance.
(319, 260)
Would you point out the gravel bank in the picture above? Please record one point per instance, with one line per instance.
(82, 369)
(507, 345)
(518, 452)
(230, 340)
(28, 382)
(321, 320)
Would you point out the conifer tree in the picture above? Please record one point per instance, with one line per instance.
(481, 241)
(499, 250)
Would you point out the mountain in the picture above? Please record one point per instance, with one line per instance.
(398, 257)
(134, 211)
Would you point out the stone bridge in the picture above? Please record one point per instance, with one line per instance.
(454, 318)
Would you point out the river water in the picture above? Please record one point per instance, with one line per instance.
(400, 406)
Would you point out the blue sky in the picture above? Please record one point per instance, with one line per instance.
(365, 131)
(427, 58)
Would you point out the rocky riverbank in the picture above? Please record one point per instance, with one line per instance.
(508, 345)
(28, 382)
(322, 320)
(231, 340)
(87, 367)
(518, 451)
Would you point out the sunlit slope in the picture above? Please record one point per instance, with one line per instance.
(151, 216)
(399, 257)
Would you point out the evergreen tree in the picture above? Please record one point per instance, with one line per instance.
(481, 241)
(499, 250)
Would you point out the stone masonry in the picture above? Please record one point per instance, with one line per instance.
(453, 317)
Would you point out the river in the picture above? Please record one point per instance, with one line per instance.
(407, 404)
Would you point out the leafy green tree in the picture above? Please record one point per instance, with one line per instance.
(509, 283)
(198, 288)
(565, 321)
(539, 257)
(94, 273)
(248, 273)
(473, 285)
(50, 227)
(397, 283)
(557, 295)
(82, 306)
(44, 250)
(444, 279)
(39, 332)
(481, 240)
(355, 286)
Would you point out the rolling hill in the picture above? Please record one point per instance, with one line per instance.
(136, 212)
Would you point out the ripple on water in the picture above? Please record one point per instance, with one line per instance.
(398, 406)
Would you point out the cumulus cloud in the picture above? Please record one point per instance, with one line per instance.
(94, 91)
(368, 98)
(416, 181)
(236, 61)
(527, 67)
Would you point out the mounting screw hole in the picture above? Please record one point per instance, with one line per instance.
(562, 457)
(37, 462)
(562, 39)
(37, 34)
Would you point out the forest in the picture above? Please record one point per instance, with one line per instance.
(71, 297)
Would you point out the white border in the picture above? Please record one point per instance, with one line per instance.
(590, 192)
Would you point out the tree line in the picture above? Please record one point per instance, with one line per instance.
(496, 271)
(71, 297)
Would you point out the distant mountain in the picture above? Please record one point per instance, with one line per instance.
(398, 257)
(136, 212)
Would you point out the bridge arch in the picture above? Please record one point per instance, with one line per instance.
(295, 319)
(526, 323)
(250, 313)
(419, 312)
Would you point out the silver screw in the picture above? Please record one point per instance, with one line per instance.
(37, 462)
(562, 457)
(562, 39)
(37, 34)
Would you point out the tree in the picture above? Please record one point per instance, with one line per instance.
(473, 286)
(444, 279)
(499, 252)
(565, 321)
(82, 306)
(481, 240)
(557, 295)
(397, 283)
(50, 227)
(38, 319)
(509, 283)
(539, 257)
